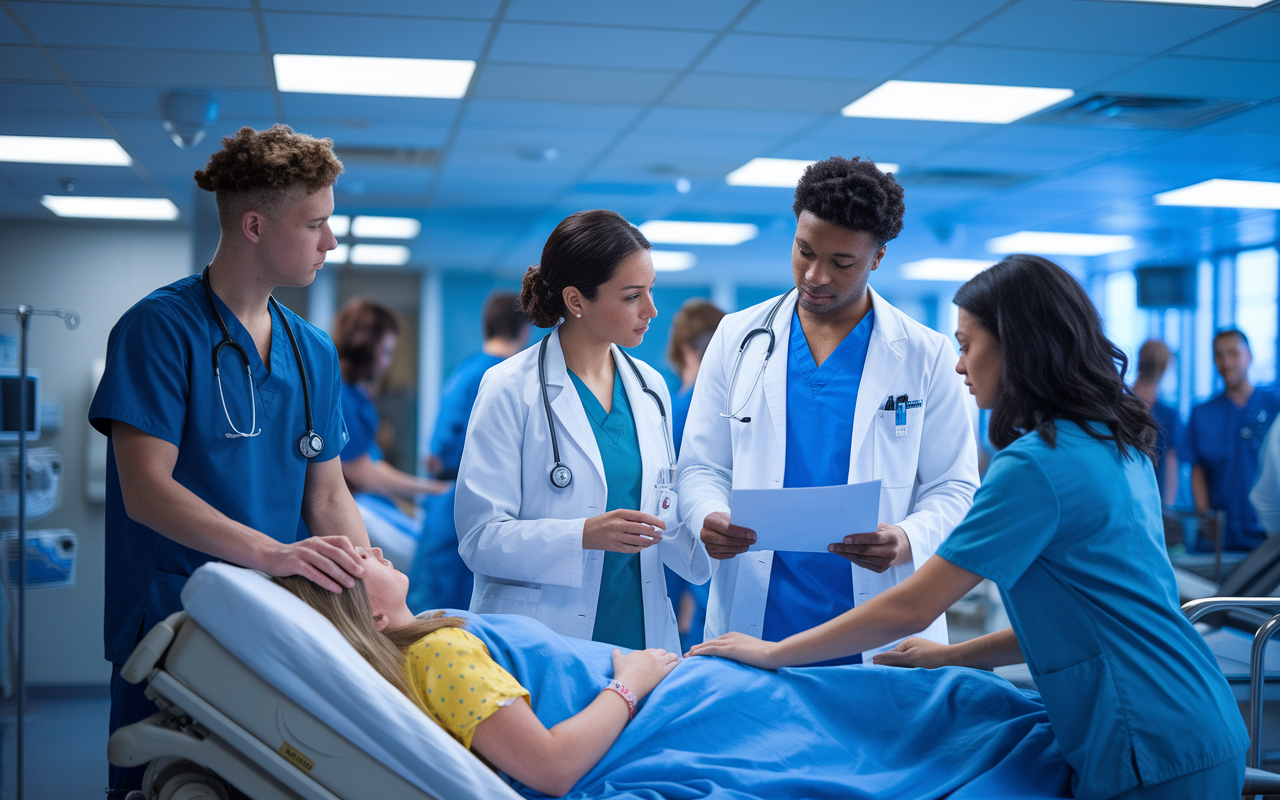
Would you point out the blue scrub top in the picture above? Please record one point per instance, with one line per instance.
(1166, 416)
(1072, 535)
(620, 609)
(807, 589)
(457, 398)
(159, 378)
(1226, 440)
(362, 419)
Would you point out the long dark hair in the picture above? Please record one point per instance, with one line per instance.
(1057, 364)
(358, 329)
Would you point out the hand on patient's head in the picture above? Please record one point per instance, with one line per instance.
(328, 561)
(641, 670)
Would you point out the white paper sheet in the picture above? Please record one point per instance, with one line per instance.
(806, 520)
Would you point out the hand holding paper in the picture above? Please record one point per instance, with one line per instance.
(809, 519)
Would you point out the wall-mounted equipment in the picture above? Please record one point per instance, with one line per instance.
(44, 482)
(51, 558)
(1163, 286)
(11, 404)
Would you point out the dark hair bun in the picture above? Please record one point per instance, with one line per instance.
(543, 306)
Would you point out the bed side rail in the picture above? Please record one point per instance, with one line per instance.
(144, 658)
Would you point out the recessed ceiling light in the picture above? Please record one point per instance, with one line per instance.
(393, 255)
(672, 260)
(1221, 3)
(340, 224)
(1221, 193)
(723, 233)
(782, 173)
(111, 207)
(373, 77)
(338, 255)
(944, 269)
(1060, 244)
(63, 150)
(385, 227)
(953, 102)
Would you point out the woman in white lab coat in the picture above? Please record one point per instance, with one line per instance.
(565, 504)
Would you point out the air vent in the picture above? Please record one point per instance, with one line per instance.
(388, 156)
(1140, 111)
(962, 177)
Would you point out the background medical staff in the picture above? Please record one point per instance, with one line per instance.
(438, 577)
(854, 391)
(1153, 360)
(1068, 525)
(366, 333)
(558, 495)
(205, 460)
(1224, 442)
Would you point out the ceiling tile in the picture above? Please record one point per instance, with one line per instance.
(597, 46)
(1257, 37)
(232, 105)
(904, 20)
(134, 26)
(350, 35)
(425, 136)
(483, 113)
(1259, 120)
(170, 70)
(756, 54)
(1188, 76)
(566, 84)
(26, 124)
(905, 131)
(24, 63)
(1063, 137)
(1003, 159)
(363, 111)
(765, 93)
(42, 179)
(191, 3)
(10, 33)
(702, 15)
(1018, 66)
(39, 98)
(1085, 26)
(670, 119)
(472, 9)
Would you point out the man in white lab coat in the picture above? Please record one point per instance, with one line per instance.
(825, 385)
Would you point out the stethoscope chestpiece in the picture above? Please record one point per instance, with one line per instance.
(561, 476)
(310, 445)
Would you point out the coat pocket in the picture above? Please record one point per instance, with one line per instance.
(505, 598)
(896, 456)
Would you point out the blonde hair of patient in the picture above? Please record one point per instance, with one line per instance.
(351, 613)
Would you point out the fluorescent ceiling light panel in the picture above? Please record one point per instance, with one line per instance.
(953, 102)
(1060, 244)
(1222, 193)
(782, 173)
(373, 77)
(672, 260)
(63, 150)
(111, 207)
(338, 255)
(720, 233)
(944, 269)
(385, 227)
(389, 255)
(340, 224)
(1221, 3)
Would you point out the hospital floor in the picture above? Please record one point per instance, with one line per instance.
(65, 744)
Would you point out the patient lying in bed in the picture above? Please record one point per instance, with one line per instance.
(533, 704)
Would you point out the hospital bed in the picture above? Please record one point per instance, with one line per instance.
(303, 719)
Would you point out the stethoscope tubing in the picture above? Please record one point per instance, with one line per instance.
(767, 330)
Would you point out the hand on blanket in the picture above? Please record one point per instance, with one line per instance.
(915, 652)
(622, 531)
(741, 647)
(888, 546)
(641, 670)
(329, 561)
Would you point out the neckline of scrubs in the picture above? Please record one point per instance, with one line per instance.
(262, 373)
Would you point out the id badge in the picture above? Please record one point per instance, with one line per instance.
(900, 419)
(668, 507)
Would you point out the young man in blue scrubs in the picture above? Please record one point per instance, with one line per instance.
(1224, 442)
(855, 391)
(204, 402)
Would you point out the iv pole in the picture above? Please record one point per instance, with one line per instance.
(24, 313)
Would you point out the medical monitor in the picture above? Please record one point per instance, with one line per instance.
(1166, 286)
(10, 410)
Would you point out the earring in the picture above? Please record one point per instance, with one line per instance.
(579, 316)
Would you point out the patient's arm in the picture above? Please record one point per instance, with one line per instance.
(552, 761)
(379, 477)
(985, 652)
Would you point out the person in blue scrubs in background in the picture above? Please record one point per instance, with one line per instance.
(1068, 524)
(691, 331)
(1224, 443)
(366, 332)
(206, 462)
(438, 577)
(1153, 360)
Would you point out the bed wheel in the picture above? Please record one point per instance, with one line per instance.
(178, 779)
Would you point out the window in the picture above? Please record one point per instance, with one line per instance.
(1255, 309)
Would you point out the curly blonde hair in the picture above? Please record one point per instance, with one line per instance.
(255, 170)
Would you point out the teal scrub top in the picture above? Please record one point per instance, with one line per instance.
(620, 609)
(1073, 537)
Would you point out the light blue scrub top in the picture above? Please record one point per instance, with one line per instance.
(1073, 537)
(620, 610)
(1216, 440)
(159, 378)
(361, 416)
(807, 589)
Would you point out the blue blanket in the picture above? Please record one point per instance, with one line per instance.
(718, 729)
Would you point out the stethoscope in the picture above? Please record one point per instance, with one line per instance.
(310, 445)
(561, 475)
(766, 330)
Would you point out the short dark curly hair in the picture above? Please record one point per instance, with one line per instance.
(254, 169)
(853, 194)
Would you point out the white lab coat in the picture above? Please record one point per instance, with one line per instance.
(928, 477)
(521, 536)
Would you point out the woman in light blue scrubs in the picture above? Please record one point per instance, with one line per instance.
(1067, 524)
